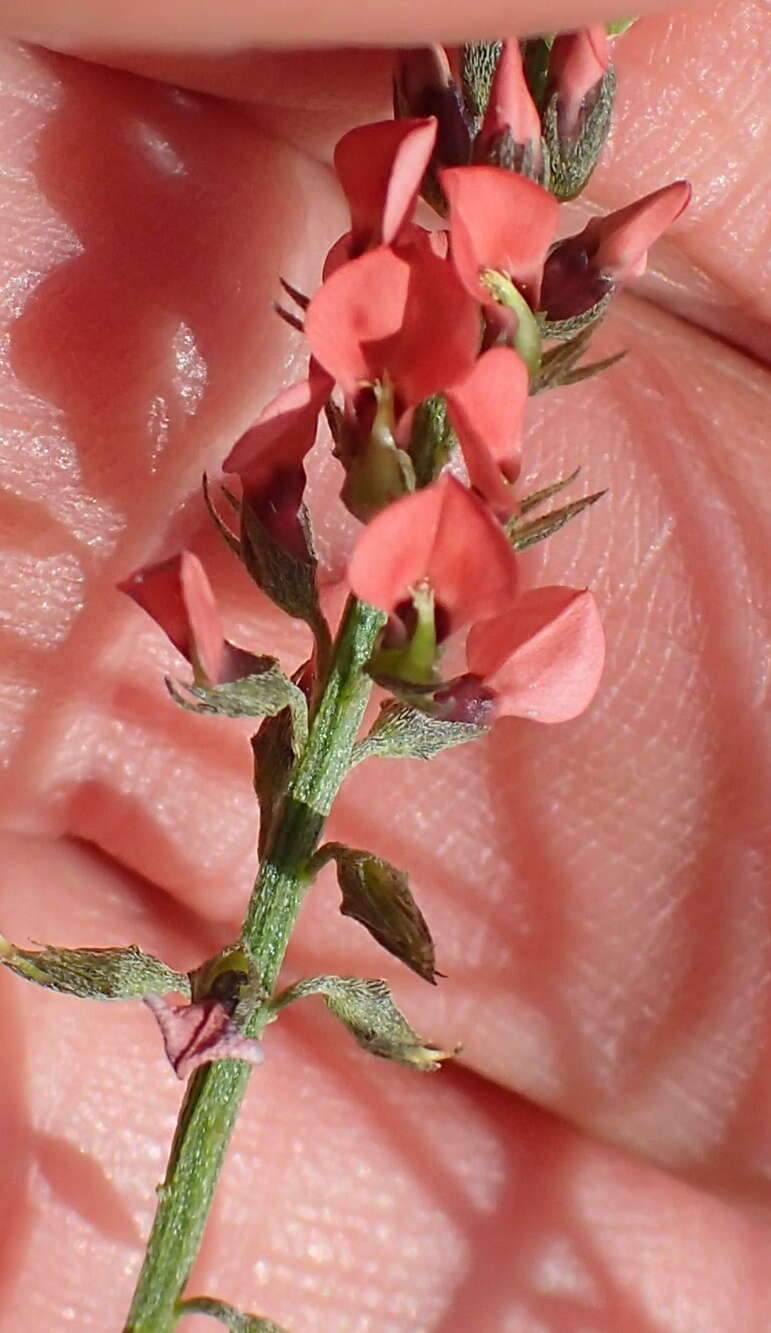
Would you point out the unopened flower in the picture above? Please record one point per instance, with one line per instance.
(442, 542)
(510, 135)
(577, 65)
(498, 221)
(543, 657)
(195, 1034)
(270, 458)
(609, 251)
(486, 409)
(177, 595)
(380, 168)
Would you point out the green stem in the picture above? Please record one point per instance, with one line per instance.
(215, 1092)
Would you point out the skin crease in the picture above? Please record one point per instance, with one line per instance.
(598, 1160)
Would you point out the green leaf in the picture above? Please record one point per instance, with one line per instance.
(401, 732)
(94, 974)
(377, 895)
(263, 693)
(369, 1013)
(234, 1320)
(535, 62)
(595, 368)
(523, 535)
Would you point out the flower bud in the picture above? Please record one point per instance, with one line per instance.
(581, 88)
(583, 270)
(510, 136)
(424, 86)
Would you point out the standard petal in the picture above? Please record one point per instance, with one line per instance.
(282, 435)
(487, 408)
(543, 657)
(402, 315)
(380, 168)
(446, 536)
(498, 220)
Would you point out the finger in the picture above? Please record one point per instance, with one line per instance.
(355, 1192)
(193, 25)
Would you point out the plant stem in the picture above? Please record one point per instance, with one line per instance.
(215, 1092)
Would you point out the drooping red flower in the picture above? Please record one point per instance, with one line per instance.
(543, 657)
(487, 409)
(270, 457)
(177, 595)
(609, 251)
(511, 111)
(501, 221)
(195, 1034)
(442, 536)
(398, 317)
(577, 64)
(380, 167)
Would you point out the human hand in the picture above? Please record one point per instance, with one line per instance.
(597, 891)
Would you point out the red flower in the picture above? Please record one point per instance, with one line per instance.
(401, 317)
(487, 410)
(543, 657)
(177, 595)
(269, 458)
(195, 1034)
(500, 221)
(443, 537)
(380, 168)
(577, 64)
(608, 251)
(511, 111)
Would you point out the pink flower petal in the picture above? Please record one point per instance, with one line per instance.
(498, 220)
(619, 243)
(577, 63)
(397, 314)
(177, 595)
(195, 1034)
(487, 410)
(543, 657)
(510, 107)
(282, 435)
(380, 168)
(445, 535)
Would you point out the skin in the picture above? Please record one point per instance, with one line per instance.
(598, 1159)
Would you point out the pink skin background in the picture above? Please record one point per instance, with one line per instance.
(598, 1161)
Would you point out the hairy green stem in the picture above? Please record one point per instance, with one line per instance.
(215, 1092)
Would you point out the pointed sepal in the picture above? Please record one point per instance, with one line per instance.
(94, 974)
